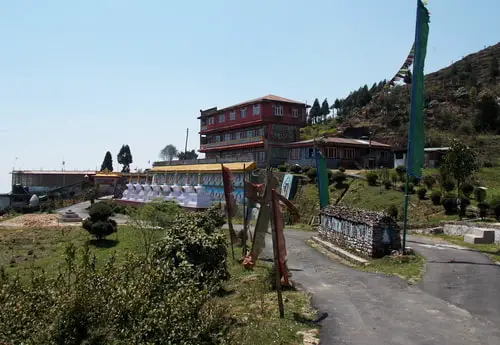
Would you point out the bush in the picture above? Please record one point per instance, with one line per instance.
(282, 168)
(371, 178)
(342, 169)
(450, 205)
(296, 169)
(401, 171)
(483, 209)
(165, 300)
(467, 188)
(311, 173)
(392, 211)
(339, 177)
(100, 211)
(449, 185)
(480, 194)
(464, 203)
(329, 174)
(387, 184)
(394, 177)
(429, 181)
(495, 206)
(421, 192)
(306, 169)
(98, 224)
(436, 198)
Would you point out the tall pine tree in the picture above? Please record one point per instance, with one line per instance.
(325, 109)
(125, 158)
(315, 111)
(107, 163)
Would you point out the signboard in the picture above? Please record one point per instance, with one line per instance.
(289, 186)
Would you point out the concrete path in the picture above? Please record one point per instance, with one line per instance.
(81, 210)
(367, 308)
(463, 277)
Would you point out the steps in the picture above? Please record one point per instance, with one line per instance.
(480, 236)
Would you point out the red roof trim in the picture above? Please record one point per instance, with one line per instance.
(232, 126)
(230, 147)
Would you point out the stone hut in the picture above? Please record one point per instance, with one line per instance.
(365, 233)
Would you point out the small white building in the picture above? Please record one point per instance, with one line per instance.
(432, 157)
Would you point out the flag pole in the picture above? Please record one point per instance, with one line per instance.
(245, 221)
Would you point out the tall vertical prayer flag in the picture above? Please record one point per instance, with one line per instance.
(227, 180)
(416, 138)
(322, 177)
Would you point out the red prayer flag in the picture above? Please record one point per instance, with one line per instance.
(280, 236)
(227, 179)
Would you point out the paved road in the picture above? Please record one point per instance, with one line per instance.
(81, 210)
(367, 308)
(463, 277)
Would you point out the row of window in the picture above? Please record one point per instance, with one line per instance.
(277, 111)
(330, 152)
(237, 135)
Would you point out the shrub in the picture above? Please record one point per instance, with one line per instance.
(311, 173)
(371, 178)
(296, 169)
(282, 168)
(387, 184)
(339, 177)
(495, 206)
(448, 185)
(394, 177)
(98, 224)
(429, 181)
(467, 188)
(306, 169)
(329, 174)
(401, 171)
(480, 194)
(464, 203)
(421, 192)
(483, 209)
(450, 205)
(342, 169)
(392, 211)
(100, 211)
(436, 198)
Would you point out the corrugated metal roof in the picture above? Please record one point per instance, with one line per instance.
(54, 172)
(336, 140)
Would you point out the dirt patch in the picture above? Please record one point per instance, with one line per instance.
(34, 221)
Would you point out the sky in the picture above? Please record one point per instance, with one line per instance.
(79, 78)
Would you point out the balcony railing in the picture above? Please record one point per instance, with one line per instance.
(239, 158)
(204, 127)
(232, 142)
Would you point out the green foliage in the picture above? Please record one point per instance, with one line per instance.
(488, 112)
(325, 109)
(450, 205)
(169, 152)
(495, 206)
(98, 224)
(411, 188)
(480, 194)
(125, 158)
(315, 112)
(464, 203)
(342, 169)
(429, 181)
(167, 299)
(401, 171)
(311, 173)
(189, 155)
(305, 170)
(467, 188)
(339, 177)
(494, 71)
(392, 211)
(421, 192)
(483, 209)
(394, 177)
(448, 185)
(296, 169)
(436, 198)
(387, 184)
(282, 168)
(460, 162)
(371, 178)
(107, 163)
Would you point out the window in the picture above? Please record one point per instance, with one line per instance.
(278, 110)
(331, 152)
(295, 154)
(222, 118)
(217, 138)
(237, 135)
(261, 132)
(310, 153)
(250, 134)
(256, 109)
(204, 121)
(295, 112)
(227, 137)
(262, 156)
(243, 113)
(232, 115)
(211, 120)
(349, 153)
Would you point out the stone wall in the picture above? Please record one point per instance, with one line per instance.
(462, 228)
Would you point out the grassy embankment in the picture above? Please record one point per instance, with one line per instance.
(250, 301)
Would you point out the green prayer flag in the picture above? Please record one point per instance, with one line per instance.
(416, 138)
(322, 177)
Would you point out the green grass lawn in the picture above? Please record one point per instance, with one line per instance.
(255, 306)
(410, 268)
(21, 249)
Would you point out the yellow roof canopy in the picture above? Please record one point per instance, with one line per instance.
(203, 168)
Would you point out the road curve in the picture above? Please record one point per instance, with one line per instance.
(367, 308)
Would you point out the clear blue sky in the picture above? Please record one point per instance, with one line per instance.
(78, 78)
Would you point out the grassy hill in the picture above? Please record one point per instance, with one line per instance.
(461, 100)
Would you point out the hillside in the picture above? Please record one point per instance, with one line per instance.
(461, 100)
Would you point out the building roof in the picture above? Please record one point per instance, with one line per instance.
(342, 141)
(272, 98)
(232, 147)
(356, 215)
(428, 149)
(55, 172)
(203, 168)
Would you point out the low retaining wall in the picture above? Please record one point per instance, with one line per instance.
(462, 228)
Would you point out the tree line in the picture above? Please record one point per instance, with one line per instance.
(124, 158)
(170, 152)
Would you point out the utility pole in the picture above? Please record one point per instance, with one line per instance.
(186, 145)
